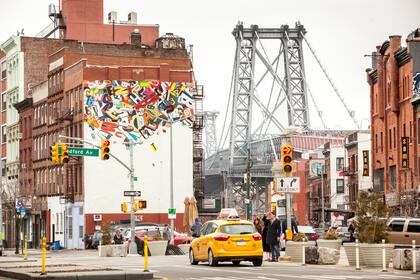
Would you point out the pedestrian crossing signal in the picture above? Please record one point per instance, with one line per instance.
(124, 207)
(105, 149)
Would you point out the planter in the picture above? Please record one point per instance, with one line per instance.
(294, 249)
(333, 244)
(372, 254)
(350, 249)
(112, 250)
(184, 248)
(158, 248)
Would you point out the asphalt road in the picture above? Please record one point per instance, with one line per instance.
(178, 268)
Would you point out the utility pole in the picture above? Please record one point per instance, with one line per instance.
(322, 196)
(133, 245)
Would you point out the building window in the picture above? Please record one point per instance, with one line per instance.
(382, 142)
(70, 227)
(340, 185)
(340, 163)
(3, 134)
(3, 167)
(390, 138)
(4, 102)
(395, 137)
(3, 68)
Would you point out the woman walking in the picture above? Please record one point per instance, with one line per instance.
(266, 246)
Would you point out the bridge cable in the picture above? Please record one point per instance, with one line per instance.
(350, 112)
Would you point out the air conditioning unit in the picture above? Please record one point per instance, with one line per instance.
(132, 18)
(112, 17)
(97, 217)
(19, 135)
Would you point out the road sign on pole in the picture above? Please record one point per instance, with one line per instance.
(288, 184)
(82, 152)
(132, 193)
(172, 213)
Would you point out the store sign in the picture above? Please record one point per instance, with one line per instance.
(209, 203)
(404, 152)
(365, 163)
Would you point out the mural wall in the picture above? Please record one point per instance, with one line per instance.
(135, 110)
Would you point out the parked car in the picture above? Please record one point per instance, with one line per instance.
(402, 231)
(343, 234)
(309, 232)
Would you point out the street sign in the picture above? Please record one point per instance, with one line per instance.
(288, 184)
(82, 152)
(132, 193)
(172, 213)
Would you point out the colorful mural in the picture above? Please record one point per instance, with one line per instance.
(135, 110)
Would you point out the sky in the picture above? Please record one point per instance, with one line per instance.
(341, 32)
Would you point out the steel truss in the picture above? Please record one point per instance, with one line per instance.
(293, 92)
(210, 131)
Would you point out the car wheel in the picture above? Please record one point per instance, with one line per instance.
(212, 261)
(192, 259)
(236, 262)
(257, 262)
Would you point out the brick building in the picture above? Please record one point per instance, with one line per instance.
(392, 118)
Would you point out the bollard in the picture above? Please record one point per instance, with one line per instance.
(383, 256)
(357, 255)
(25, 248)
(44, 255)
(303, 255)
(146, 255)
(414, 257)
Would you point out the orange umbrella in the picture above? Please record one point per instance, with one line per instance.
(186, 221)
(193, 210)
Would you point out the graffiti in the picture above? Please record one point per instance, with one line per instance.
(135, 110)
(416, 84)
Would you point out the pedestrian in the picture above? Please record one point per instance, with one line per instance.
(196, 227)
(273, 236)
(266, 246)
(118, 238)
(258, 225)
(351, 230)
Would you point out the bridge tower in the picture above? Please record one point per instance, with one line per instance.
(291, 99)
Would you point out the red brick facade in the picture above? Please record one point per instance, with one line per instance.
(393, 117)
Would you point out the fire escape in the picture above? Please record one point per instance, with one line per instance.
(198, 151)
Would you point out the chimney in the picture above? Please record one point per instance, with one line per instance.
(135, 37)
(374, 60)
(132, 18)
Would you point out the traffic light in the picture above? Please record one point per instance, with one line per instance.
(54, 153)
(64, 153)
(286, 159)
(141, 204)
(105, 149)
(124, 207)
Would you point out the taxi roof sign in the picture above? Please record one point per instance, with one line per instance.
(226, 213)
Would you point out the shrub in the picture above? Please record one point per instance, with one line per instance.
(330, 235)
(106, 234)
(372, 215)
(300, 237)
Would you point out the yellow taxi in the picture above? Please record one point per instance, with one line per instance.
(231, 239)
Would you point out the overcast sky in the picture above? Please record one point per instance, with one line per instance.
(341, 32)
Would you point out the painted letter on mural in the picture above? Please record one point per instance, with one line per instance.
(135, 110)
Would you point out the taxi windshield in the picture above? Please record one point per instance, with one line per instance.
(237, 229)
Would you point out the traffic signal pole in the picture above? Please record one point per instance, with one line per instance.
(130, 145)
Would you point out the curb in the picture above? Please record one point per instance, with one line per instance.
(108, 275)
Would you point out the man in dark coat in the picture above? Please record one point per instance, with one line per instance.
(273, 236)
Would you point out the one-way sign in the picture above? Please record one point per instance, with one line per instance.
(132, 193)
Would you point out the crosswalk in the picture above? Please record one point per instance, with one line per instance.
(309, 277)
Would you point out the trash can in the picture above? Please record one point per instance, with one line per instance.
(57, 246)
